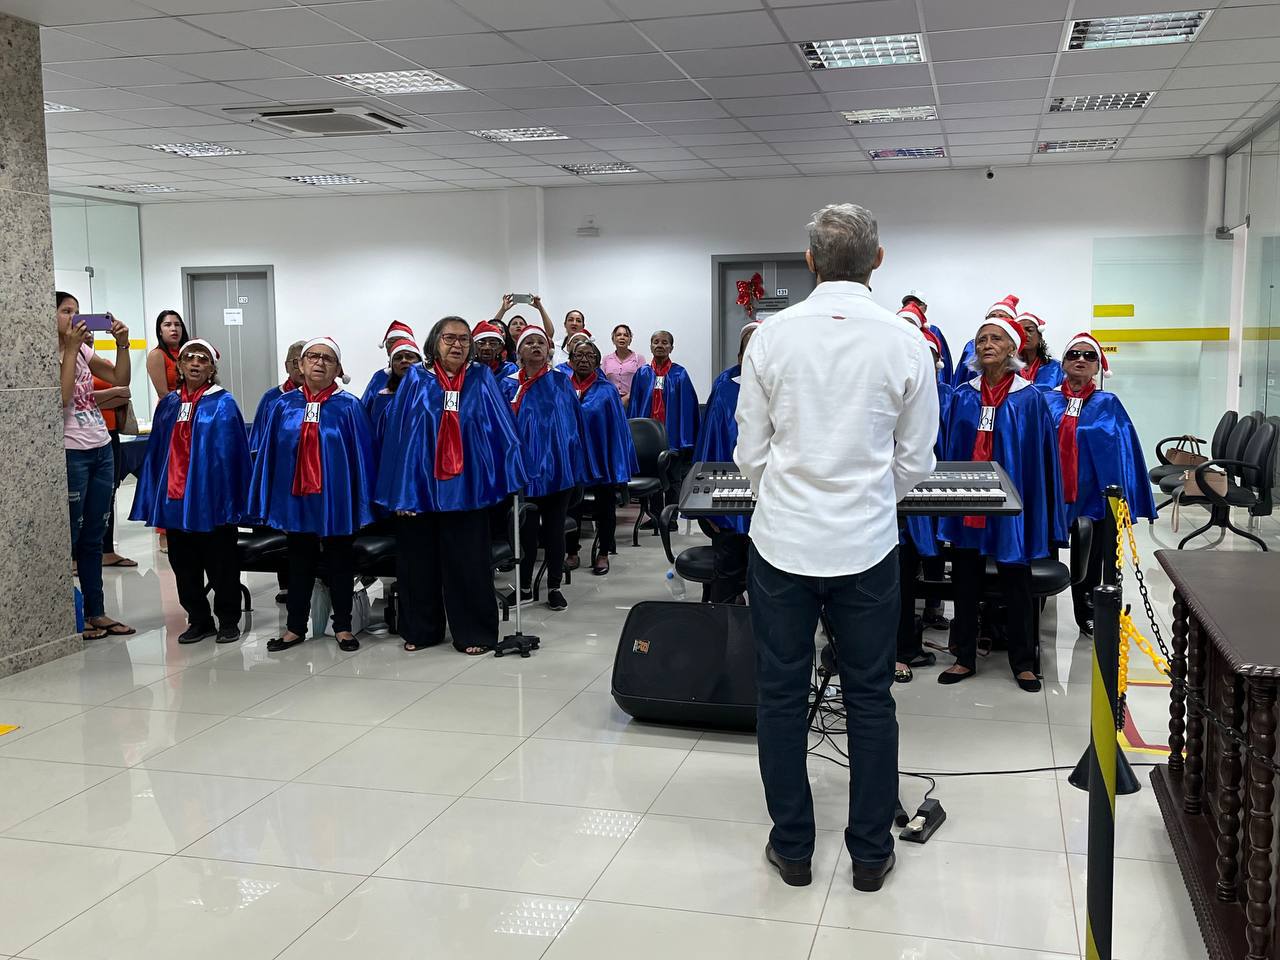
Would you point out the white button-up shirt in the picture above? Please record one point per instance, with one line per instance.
(837, 419)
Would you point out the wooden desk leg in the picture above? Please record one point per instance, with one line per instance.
(1260, 826)
(1177, 696)
(1193, 792)
(1229, 775)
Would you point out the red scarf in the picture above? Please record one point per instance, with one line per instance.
(1029, 372)
(659, 410)
(308, 477)
(582, 386)
(526, 382)
(288, 385)
(449, 433)
(494, 364)
(984, 440)
(180, 441)
(1067, 450)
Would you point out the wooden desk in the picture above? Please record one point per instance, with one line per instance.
(1217, 805)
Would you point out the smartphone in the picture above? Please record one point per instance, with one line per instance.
(522, 297)
(98, 322)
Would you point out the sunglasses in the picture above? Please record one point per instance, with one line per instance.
(1088, 355)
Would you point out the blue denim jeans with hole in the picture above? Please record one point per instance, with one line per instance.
(90, 481)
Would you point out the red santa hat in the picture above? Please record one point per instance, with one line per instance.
(934, 344)
(583, 334)
(1028, 315)
(199, 343)
(404, 346)
(332, 344)
(913, 314)
(1012, 330)
(487, 331)
(530, 331)
(1008, 305)
(396, 331)
(1089, 340)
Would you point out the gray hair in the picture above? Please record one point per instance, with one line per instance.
(844, 240)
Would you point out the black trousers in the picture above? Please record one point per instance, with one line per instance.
(545, 528)
(935, 568)
(967, 574)
(862, 609)
(109, 537)
(193, 556)
(304, 565)
(682, 463)
(604, 514)
(1082, 593)
(729, 553)
(909, 560)
(444, 577)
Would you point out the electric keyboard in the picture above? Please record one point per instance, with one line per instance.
(955, 488)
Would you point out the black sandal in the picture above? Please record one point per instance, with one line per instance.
(350, 645)
(903, 676)
(280, 643)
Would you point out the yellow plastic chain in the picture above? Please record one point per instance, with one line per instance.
(1129, 632)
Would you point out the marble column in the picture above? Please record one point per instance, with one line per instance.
(36, 611)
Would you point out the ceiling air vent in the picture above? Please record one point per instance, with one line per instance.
(319, 120)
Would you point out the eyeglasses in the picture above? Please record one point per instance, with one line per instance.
(455, 339)
(319, 358)
(1088, 355)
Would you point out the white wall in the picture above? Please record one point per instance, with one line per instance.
(349, 265)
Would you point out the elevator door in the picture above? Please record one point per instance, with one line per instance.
(235, 311)
(786, 279)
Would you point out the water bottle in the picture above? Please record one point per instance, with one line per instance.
(675, 585)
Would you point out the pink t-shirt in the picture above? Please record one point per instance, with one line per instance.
(82, 425)
(620, 372)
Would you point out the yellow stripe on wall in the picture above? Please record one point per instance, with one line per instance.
(1113, 310)
(110, 344)
(1161, 334)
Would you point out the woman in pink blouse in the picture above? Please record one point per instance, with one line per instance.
(621, 365)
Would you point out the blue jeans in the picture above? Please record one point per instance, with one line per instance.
(862, 609)
(90, 481)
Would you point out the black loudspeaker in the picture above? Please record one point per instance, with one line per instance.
(692, 664)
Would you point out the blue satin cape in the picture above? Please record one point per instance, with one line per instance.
(718, 435)
(345, 501)
(960, 373)
(948, 371)
(610, 455)
(376, 383)
(260, 417)
(1107, 452)
(1050, 375)
(491, 466)
(217, 478)
(1026, 445)
(923, 530)
(682, 404)
(551, 429)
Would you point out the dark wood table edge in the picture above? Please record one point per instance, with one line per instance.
(1217, 921)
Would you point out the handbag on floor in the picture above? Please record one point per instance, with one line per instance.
(322, 610)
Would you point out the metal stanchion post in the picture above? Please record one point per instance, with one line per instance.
(1102, 778)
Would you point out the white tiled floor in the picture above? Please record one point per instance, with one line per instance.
(199, 801)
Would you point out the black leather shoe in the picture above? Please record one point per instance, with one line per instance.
(1031, 686)
(869, 877)
(948, 678)
(228, 634)
(282, 597)
(794, 873)
(196, 632)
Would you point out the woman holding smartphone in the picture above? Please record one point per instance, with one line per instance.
(91, 469)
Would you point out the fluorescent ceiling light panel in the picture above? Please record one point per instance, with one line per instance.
(136, 188)
(59, 108)
(326, 180)
(199, 149)
(593, 169)
(1136, 31)
(394, 83)
(1102, 101)
(1068, 146)
(519, 134)
(907, 153)
(890, 114)
(863, 51)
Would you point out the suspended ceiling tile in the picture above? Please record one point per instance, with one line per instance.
(398, 19)
(1011, 41)
(741, 61)
(868, 18)
(1002, 68)
(952, 15)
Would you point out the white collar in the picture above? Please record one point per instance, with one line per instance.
(213, 388)
(1019, 383)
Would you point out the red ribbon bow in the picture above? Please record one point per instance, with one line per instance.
(749, 291)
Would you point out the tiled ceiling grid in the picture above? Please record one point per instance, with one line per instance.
(680, 89)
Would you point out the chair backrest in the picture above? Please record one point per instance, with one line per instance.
(1237, 442)
(1081, 543)
(1218, 445)
(1259, 457)
(649, 437)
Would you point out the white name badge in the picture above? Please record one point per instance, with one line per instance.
(1073, 406)
(451, 401)
(659, 383)
(184, 412)
(987, 419)
(312, 414)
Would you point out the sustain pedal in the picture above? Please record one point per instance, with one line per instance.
(929, 817)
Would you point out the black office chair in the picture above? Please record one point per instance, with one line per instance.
(1232, 450)
(1217, 448)
(653, 479)
(694, 564)
(1250, 478)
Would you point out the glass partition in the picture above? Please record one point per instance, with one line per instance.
(1161, 313)
(97, 257)
(1260, 361)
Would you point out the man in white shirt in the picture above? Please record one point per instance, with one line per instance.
(837, 418)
